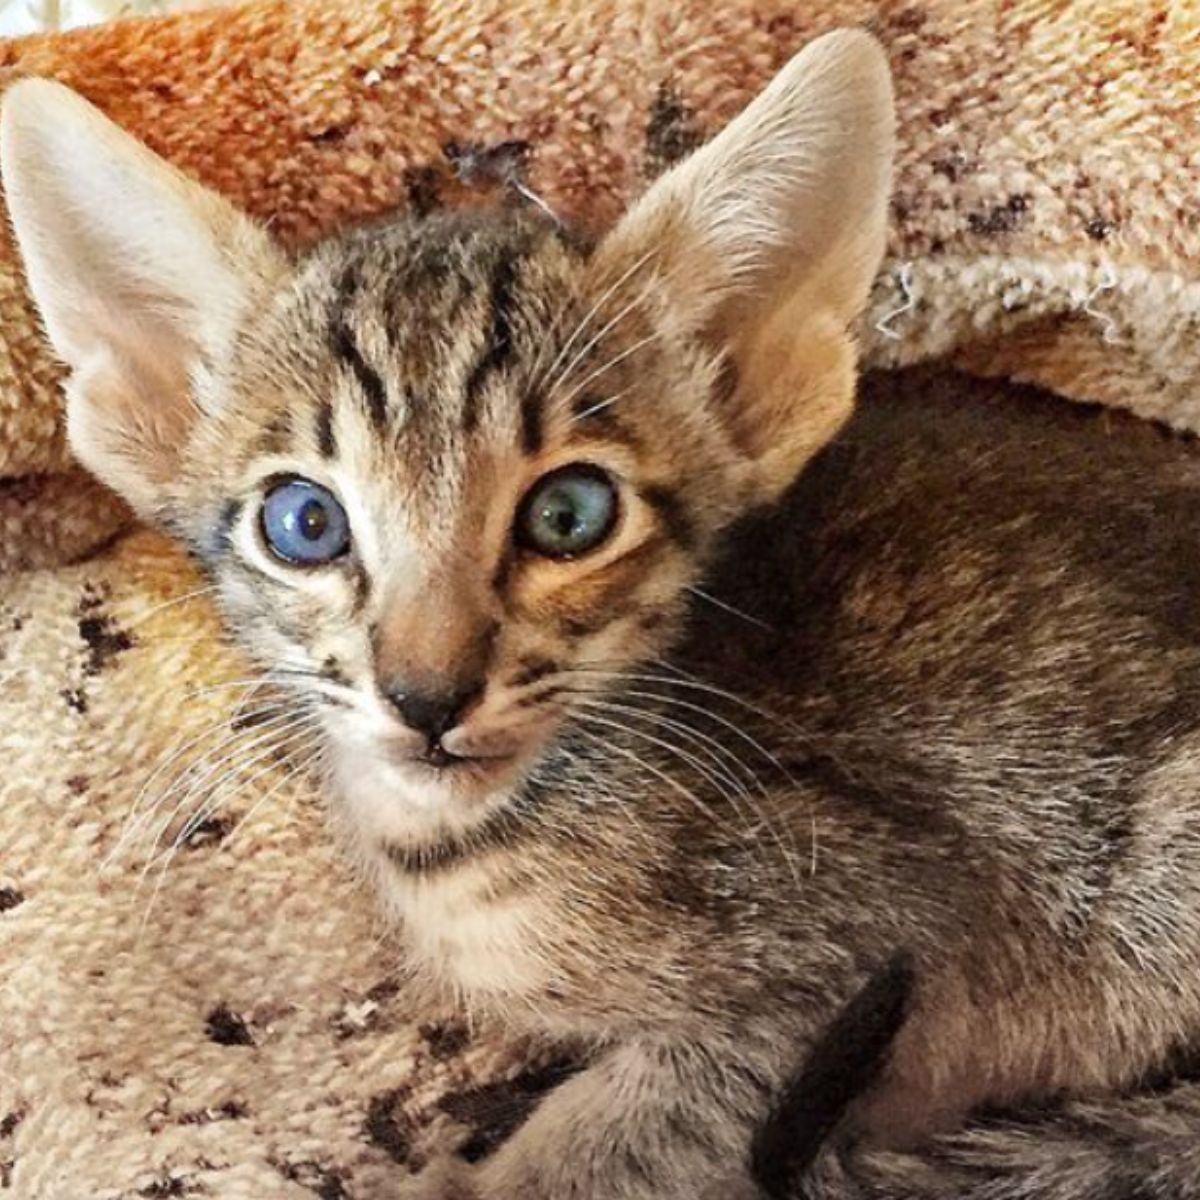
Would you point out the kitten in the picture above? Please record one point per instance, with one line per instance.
(653, 738)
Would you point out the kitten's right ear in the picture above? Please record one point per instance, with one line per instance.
(140, 274)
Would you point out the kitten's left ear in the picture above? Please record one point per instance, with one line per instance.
(767, 239)
(141, 276)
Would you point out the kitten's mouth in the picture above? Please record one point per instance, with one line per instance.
(460, 756)
(399, 789)
(441, 759)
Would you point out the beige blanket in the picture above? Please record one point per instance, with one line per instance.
(226, 1023)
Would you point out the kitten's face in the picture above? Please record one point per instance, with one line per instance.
(459, 476)
(449, 477)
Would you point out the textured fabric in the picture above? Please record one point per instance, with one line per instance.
(231, 1026)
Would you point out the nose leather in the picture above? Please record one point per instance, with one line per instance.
(433, 713)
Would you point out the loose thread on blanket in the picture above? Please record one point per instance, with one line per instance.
(502, 163)
(527, 193)
(903, 277)
(1108, 326)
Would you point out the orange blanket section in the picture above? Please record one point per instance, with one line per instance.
(312, 113)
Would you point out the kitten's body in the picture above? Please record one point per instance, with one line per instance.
(676, 790)
(1001, 621)
(978, 673)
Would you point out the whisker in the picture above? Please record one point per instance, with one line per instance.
(305, 764)
(225, 789)
(301, 729)
(694, 683)
(206, 637)
(670, 748)
(711, 715)
(717, 754)
(600, 789)
(632, 756)
(608, 365)
(590, 315)
(195, 594)
(165, 860)
(250, 685)
(270, 733)
(784, 838)
(136, 820)
(729, 608)
(601, 405)
(595, 339)
(720, 756)
(132, 819)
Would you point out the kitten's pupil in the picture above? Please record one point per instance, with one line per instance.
(314, 520)
(560, 514)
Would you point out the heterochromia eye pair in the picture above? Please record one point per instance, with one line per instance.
(565, 514)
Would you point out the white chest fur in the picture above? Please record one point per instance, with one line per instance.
(478, 942)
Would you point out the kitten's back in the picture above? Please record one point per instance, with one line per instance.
(984, 630)
(966, 546)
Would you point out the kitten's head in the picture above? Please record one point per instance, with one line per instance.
(444, 471)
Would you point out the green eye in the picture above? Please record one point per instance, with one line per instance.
(568, 512)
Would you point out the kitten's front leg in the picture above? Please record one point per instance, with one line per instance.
(650, 1120)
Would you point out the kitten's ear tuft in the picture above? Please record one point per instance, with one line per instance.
(768, 238)
(140, 274)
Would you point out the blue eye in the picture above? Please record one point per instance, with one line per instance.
(568, 512)
(303, 523)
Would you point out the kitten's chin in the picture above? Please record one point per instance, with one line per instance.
(394, 801)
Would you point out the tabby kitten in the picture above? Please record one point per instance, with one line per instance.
(648, 745)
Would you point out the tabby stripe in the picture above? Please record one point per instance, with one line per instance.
(346, 348)
(531, 422)
(602, 420)
(331, 669)
(502, 831)
(362, 588)
(277, 436)
(326, 442)
(503, 571)
(574, 628)
(617, 599)
(498, 347)
(533, 669)
(536, 699)
(216, 542)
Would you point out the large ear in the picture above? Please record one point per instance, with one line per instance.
(767, 239)
(140, 274)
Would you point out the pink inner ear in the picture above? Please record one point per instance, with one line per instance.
(129, 420)
(796, 379)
